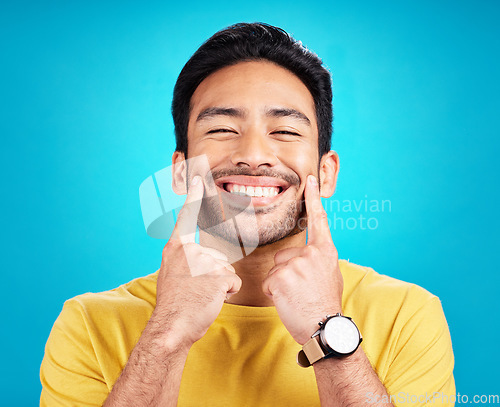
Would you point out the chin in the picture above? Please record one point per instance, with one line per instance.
(251, 229)
(274, 233)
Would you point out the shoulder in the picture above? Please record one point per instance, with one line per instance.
(390, 308)
(103, 314)
(139, 293)
(400, 321)
(364, 287)
(92, 324)
(91, 339)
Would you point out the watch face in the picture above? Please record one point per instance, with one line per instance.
(341, 334)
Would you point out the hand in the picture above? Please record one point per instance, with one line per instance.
(306, 284)
(193, 281)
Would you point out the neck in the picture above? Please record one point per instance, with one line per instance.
(253, 268)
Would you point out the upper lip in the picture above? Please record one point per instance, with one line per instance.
(252, 181)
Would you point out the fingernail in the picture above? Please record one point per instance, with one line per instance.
(313, 180)
(195, 180)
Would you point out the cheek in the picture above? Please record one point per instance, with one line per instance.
(302, 159)
(214, 154)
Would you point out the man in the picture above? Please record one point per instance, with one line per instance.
(209, 331)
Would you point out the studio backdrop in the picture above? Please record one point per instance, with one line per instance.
(86, 89)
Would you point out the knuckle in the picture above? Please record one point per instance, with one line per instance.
(322, 214)
(235, 281)
(170, 247)
(296, 262)
(322, 218)
(265, 284)
(332, 252)
(172, 243)
(311, 251)
(280, 276)
(274, 287)
(335, 253)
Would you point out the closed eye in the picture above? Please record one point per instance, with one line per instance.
(291, 133)
(214, 131)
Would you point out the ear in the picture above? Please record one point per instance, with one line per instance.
(328, 171)
(179, 173)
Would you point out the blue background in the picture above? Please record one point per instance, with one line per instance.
(86, 91)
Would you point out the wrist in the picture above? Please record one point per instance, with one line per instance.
(339, 363)
(167, 335)
(337, 337)
(316, 320)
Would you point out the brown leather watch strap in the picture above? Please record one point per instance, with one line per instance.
(311, 352)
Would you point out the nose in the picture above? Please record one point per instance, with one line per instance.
(254, 150)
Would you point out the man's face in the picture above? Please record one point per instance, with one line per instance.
(256, 124)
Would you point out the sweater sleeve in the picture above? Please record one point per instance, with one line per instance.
(70, 373)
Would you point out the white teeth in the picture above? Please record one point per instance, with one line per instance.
(253, 191)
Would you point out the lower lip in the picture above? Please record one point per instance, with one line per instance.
(256, 201)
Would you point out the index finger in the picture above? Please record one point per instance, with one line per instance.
(318, 230)
(185, 227)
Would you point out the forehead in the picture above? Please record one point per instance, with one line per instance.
(253, 85)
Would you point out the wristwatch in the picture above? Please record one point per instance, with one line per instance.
(337, 336)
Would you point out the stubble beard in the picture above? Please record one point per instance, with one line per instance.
(238, 227)
(252, 227)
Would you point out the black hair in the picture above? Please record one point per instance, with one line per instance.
(252, 42)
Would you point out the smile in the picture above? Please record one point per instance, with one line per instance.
(261, 189)
(253, 191)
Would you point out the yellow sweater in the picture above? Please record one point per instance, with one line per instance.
(247, 357)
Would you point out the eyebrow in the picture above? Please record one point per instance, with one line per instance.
(211, 112)
(286, 112)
